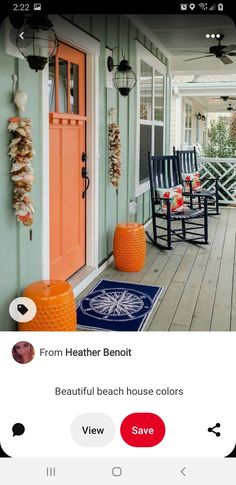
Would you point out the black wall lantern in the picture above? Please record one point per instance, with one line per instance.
(37, 41)
(124, 78)
(201, 117)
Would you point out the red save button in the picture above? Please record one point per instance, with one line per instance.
(142, 429)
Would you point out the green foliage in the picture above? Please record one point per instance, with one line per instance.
(232, 127)
(220, 142)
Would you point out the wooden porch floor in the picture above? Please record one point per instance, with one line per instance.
(199, 281)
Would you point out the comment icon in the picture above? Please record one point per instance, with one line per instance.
(18, 429)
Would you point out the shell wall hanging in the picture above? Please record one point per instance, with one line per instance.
(114, 146)
(21, 172)
(20, 100)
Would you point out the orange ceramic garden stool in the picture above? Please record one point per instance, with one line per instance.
(55, 304)
(129, 246)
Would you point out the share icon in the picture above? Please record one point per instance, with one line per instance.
(211, 430)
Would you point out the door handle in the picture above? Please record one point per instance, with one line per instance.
(87, 181)
(84, 157)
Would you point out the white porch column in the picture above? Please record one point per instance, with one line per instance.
(178, 119)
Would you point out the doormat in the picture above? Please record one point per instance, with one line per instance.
(117, 306)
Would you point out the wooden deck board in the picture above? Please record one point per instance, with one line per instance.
(199, 281)
(233, 314)
(136, 277)
(166, 309)
(187, 303)
(202, 316)
(221, 318)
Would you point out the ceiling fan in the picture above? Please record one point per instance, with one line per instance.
(230, 107)
(225, 98)
(219, 51)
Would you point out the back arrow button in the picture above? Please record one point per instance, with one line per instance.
(21, 35)
(183, 471)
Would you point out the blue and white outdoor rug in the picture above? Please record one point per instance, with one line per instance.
(117, 306)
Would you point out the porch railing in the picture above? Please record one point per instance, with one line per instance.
(225, 170)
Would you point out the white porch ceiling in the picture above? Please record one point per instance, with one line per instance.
(213, 105)
(208, 94)
(178, 33)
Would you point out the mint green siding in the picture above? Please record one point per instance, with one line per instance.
(20, 258)
(117, 31)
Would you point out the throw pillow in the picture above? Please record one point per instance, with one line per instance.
(194, 177)
(176, 196)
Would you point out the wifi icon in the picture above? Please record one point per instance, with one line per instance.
(203, 6)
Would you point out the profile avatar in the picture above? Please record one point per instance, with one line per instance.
(23, 352)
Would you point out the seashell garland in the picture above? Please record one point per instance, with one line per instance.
(114, 154)
(21, 154)
(20, 99)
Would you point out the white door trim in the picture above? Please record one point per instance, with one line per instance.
(76, 38)
(45, 193)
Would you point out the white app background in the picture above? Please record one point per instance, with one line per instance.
(202, 364)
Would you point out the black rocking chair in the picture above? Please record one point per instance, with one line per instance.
(188, 163)
(164, 173)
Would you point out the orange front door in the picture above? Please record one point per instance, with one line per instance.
(67, 121)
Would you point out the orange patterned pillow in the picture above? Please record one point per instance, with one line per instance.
(176, 196)
(194, 177)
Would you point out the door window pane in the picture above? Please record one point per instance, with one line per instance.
(190, 120)
(158, 140)
(186, 119)
(145, 145)
(63, 82)
(197, 131)
(145, 91)
(74, 80)
(158, 97)
(188, 115)
(51, 85)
